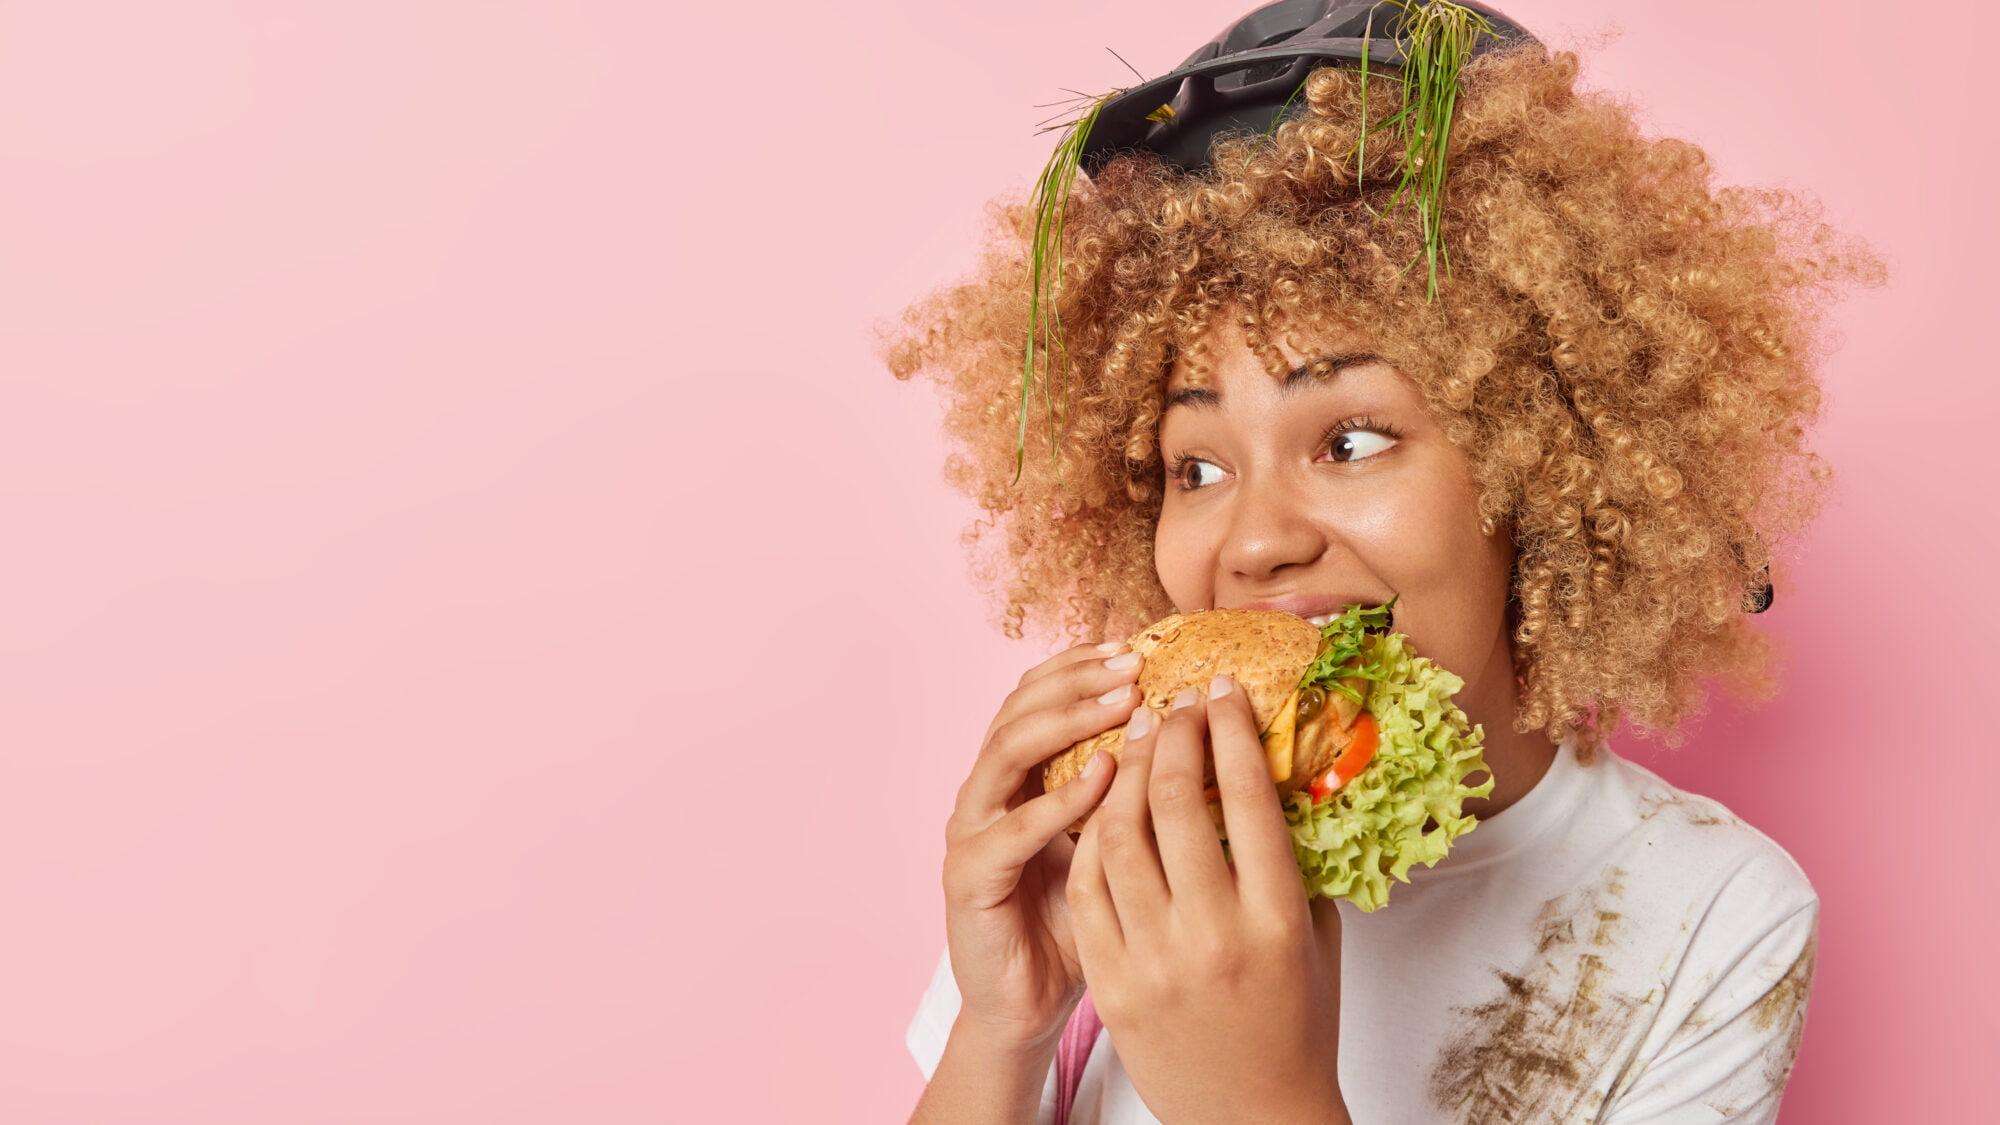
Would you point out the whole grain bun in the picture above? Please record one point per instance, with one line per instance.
(1266, 651)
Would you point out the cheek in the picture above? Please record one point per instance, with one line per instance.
(1181, 557)
(1439, 549)
(1457, 583)
(1428, 546)
(1431, 525)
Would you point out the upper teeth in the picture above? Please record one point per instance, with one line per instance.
(1320, 619)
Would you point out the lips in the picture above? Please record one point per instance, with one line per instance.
(1315, 608)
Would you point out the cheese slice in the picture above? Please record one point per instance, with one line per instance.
(1278, 739)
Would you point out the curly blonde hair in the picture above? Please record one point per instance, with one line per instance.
(1625, 355)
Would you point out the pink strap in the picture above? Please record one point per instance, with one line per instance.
(1072, 1051)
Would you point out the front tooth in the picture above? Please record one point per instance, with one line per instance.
(1320, 619)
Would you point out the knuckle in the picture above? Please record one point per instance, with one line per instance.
(1074, 681)
(1176, 787)
(1282, 928)
(953, 877)
(1009, 829)
(963, 797)
(1003, 740)
(1116, 835)
(968, 873)
(1241, 787)
(1083, 671)
(1079, 713)
(1216, 956)
(1163, 982)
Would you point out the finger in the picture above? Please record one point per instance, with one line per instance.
(1099, 937)
(1260, 842)
(1082, 652)
(1074, 680)
(1123, 823)
(1020, 746)
(1326, 931)
(1190, 851)
(1018, 837)
(1325, 914)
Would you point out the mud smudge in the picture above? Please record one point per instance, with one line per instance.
(1785, 1006)
(1526, 1054)
(1695, 813)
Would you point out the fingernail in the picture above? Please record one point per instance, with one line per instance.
(1110, 646)
(1186, 698)
(1095, 765)
(1218, 687)
(1115, 695)
(1140, 722)
(1123, 663)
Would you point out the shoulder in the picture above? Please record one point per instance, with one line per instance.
(1704, 886)
(1737, 977)
(1732, 935)
(1703, 844)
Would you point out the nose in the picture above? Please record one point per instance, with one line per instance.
(1269, 530)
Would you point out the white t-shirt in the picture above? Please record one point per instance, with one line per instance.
(1609, 949)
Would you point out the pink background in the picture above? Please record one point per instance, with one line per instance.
(484, 641)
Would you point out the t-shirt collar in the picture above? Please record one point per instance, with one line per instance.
(1548, 804)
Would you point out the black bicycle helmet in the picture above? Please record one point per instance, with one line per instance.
(1242, 79)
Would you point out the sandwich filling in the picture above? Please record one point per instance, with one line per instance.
(1370, 757)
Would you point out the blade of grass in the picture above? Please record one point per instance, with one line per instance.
(1049, 204)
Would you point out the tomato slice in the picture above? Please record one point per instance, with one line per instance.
(1360, 749)
(1349, 763)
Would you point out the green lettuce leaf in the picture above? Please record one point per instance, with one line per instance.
(1372, 829)
(1341, 646)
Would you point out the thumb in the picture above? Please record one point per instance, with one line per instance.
(1044, 818)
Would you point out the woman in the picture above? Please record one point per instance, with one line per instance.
(1569, 470)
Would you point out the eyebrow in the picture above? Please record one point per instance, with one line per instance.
(1324, 367)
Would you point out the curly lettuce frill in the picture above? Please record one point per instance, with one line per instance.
(1372, 829)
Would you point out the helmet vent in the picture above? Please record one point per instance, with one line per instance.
(1286, 73)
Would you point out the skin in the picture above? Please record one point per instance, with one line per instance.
(1006, 872)
(1219, 982)
(1176, 944)
(1280, 515)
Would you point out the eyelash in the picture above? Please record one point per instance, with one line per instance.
(1177, 470)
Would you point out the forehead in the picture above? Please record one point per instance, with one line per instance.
(1227, 352)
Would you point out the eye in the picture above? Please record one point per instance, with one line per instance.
(1357, 439)
(1186, 472)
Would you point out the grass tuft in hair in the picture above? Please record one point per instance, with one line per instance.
(1436, 38)
(1048, 202)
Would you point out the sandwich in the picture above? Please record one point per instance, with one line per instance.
(1367, 751)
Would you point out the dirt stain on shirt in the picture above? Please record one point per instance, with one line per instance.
(1525, 1054)
(1785, 1006)
(1695, 813)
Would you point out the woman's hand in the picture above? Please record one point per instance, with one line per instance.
(1007, 855)
(1221, 988)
